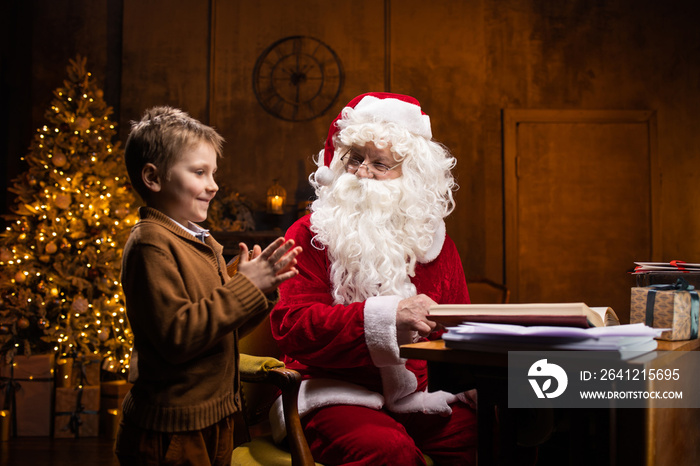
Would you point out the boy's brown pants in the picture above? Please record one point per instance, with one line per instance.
(212, 445)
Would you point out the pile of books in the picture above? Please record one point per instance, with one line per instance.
(540, 326)
(673, 266)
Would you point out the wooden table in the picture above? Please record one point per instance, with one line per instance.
(624, 436)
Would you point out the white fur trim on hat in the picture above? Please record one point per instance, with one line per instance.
(397, 111)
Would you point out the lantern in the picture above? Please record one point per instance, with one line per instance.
(276, 196)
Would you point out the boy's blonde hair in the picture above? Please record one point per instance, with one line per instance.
(160, 138)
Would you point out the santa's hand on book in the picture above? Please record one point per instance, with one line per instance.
(411, 315)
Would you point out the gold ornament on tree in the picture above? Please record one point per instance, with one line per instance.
(59, 159)
(80, 305)
(104, 334)
(51, 248)
(82, 124)
(63, 201)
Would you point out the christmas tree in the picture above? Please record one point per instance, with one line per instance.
(60, 255)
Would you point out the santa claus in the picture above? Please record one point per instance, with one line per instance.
(376, 257)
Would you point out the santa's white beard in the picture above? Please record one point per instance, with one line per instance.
(372, 236)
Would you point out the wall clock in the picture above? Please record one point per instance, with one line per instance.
(297, 78)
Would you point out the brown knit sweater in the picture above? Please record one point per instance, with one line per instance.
(186, 315)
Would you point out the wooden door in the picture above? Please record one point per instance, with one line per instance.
(580, 201)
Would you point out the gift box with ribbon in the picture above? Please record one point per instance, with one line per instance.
(26, 390)
(77, 411)
(674, 306)
(86, 371)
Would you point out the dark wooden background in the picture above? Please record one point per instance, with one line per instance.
(466, 61)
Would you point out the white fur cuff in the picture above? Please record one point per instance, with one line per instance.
(380, 330)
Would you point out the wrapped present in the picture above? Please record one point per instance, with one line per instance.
(112, 395)
(27, 383)
(667, 306)
(77, 411)
(85, 371)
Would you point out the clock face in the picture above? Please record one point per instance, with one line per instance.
(297, 78)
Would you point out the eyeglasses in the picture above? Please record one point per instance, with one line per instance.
(353, 161)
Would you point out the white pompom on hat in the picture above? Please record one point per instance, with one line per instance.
(324, 176)
(383, 106)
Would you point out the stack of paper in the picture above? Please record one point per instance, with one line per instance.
(673, 266)
(504, 337)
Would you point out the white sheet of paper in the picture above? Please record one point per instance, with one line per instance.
(629, 330)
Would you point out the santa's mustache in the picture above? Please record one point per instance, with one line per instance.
(348, 188)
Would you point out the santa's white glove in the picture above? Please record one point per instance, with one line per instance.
(424, 402)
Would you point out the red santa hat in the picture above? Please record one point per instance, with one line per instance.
(401, 109)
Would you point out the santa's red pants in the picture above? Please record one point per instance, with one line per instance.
(357, 435)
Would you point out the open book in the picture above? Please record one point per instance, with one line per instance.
(550, 314)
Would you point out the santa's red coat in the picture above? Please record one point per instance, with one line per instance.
(341, 349)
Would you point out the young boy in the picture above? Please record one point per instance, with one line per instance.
(185, 311)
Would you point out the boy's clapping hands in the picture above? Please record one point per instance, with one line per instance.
(268, 268)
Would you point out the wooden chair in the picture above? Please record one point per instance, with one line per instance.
(262, 374)
(257, 447)
(485, 291)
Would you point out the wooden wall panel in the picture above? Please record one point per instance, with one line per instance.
(165, 58)
(440, 57)
(261, 147)
(580, 204)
